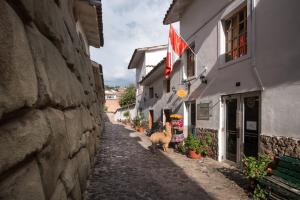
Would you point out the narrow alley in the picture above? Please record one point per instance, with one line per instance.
(126, 169)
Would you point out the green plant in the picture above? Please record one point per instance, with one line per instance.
(209, 139)
(256, 168)
(137, 122)
(103, 108)
(260, 193)
(182, 148)
(128, 97)
(126, 114)
(193, 143)
(204, 149)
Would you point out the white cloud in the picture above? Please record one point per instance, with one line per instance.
(128, 24)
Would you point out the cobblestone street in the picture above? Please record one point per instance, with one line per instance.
(126, 169)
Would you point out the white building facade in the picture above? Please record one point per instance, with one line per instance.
(244, 80)
(143, 60)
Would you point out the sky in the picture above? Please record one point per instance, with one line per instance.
(128, 24)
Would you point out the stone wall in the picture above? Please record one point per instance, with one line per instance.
(49, 109)
(279, 146)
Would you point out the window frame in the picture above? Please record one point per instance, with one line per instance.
(190, 61)
(168, 85)
(151, 92)
(236, 33)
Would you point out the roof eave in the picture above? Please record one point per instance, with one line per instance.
(91, 17)
(136, 55)
(175, 11)
(149, 75)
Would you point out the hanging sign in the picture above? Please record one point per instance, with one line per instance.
(181, 92)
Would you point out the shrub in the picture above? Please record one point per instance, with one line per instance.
(260, 193)
(182, 148)
(256, 169)
(193, 143)
(136, 122)
(126, 114)
(128, 97)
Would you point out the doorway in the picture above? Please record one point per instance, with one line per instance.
(150, 119)
(166, 116)
(191, 117)
(242, 122)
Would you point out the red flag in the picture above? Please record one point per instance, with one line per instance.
(176, 47)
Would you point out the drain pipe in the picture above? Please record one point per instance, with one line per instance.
(253, 60)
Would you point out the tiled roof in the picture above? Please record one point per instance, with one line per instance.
(100, 24)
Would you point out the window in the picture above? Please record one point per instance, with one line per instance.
(236, 35)
(168, 85)
(151, 93)
(190, 61)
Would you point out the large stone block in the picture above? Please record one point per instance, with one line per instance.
(18, 86)
(76, 191)
(57, 84)
(22, 137)
(87, 119)
(74, 130)
(69, 176)
(49, 19)
(23, 184)
(54, 157)
(83, 71)
(67, 8)
(84, 167)
(59, 193)
(96, 112)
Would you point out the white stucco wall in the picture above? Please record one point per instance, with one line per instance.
(165, 100)
(277, 58)
(154, 57)
(119, 114)
(268, 66)
(145, 65)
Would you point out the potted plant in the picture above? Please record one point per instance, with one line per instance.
(127, 116)
(193, 146)
(136, 123)
(142, 123)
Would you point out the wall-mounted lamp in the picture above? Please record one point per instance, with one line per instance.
(203, 79)
(156, 95)
(173, 89)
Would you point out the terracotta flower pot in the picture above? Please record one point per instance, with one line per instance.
(192, 154)
(142, 129)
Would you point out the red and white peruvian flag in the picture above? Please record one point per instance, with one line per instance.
(176, 47)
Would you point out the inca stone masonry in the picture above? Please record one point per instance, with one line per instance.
(50, 98)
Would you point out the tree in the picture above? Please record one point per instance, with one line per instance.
(128, 97)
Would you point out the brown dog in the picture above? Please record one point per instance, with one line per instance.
(162, 137)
